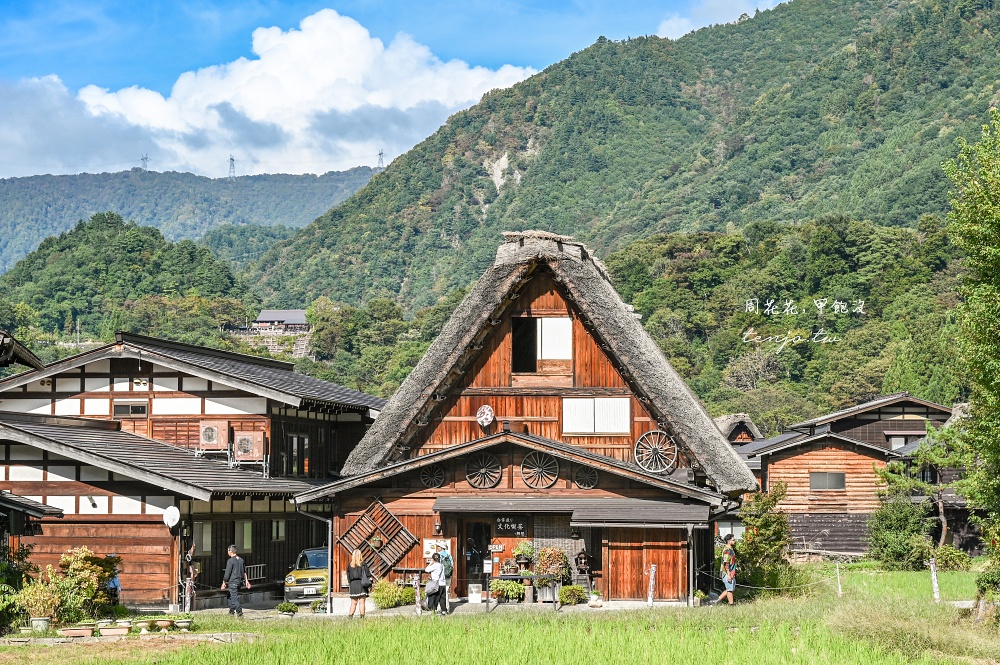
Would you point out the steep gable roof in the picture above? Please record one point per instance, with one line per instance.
(823, 436)
(102, 444)
(262, 376)
(638, 359)
(728, 423)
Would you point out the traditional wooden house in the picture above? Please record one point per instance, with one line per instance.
(282, 320)
(738, 429)
(828, 466)
(116, 436)
(543, 411)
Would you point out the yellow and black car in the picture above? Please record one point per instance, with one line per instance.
(307, 581)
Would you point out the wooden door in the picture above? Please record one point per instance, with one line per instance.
(475, 537)
(631, 555)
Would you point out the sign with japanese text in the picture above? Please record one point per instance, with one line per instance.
(511, 525)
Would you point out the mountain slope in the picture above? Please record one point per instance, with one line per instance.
(816, 106)
(181, 205)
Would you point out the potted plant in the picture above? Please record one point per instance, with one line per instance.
(183, 622)
(143, 624)
(288, 609)
(551, 569)
(524, 553)
(506, 590)
(595, 598)
(376, 541)
(40, 599)
(699, 597)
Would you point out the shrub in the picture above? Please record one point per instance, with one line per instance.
(509, 589)
(920, 552)
(552, 562)
(891, 531)
(572, 594)
(761, 552)
(949, 557)
(385, 594)
(40, 598)
(407, 595)
(525, 548)
(286, 607)
(318, 606)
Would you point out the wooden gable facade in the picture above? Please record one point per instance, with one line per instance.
(528, 431)
(829, 469)
(295, 428)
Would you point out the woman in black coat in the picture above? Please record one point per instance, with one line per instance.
(357, 574)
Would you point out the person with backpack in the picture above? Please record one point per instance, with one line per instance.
(435, 585)
(448, 568)
(359, 578)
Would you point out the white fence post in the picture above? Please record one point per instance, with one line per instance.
(652, 584)
(934, 581)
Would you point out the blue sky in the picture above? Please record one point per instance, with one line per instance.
(294, 86)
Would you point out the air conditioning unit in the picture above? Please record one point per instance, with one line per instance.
(214, 435)
(248, 446)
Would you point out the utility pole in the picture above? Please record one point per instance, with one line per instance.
(232, 167)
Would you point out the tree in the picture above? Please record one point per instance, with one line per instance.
(974, 226)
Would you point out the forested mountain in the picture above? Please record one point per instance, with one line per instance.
(241, 245)
(109, 274)
(181, 205)
(814, 107)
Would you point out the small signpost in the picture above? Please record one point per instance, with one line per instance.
(652, 584)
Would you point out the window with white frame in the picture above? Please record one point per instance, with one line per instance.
(734, 527)
(537, 338)
(597, 415)
(202, 534)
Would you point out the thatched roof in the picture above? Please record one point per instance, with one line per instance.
(728, 423)
(609, 319)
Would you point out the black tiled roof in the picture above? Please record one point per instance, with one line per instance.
(31, 507)
(102, 444)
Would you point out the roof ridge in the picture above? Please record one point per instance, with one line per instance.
(139, 340)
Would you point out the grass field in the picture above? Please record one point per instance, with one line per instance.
(881, 618)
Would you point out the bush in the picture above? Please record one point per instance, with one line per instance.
(385, 594)
(553, 563)
(289, 608)
(921, 551)
(891, 531)
(572, 594)
(509, 589)
(988, 583)
(40, 598)
(318, 606)
(949, 557)
(407, 595)
(761, 552)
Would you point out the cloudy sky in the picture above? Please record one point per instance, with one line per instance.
(285, 86)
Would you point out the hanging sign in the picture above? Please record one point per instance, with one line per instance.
(511, 525)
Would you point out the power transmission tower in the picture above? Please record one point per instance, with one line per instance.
(381, 161)
(145, 162)
(232, 167)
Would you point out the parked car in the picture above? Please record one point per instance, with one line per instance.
(306, 581)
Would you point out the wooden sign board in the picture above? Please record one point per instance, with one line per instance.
(498, 547)
(515, 526)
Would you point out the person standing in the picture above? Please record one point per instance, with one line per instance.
(359, 578)
(728, 570)
(236, 573)
(435, 585)
(448, 568)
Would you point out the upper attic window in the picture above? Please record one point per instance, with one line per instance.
(537, 341)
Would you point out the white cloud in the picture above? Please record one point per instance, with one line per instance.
(710, 12)
(322, 97)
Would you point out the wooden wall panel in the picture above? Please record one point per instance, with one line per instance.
(633, 551)
(794, 466)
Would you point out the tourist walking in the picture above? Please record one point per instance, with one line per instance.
(435, 585)
(448, 567)
(359, 578)
(236, 573)
(728, 569)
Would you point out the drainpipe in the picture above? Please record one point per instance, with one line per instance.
(691, 564)
(329, 554)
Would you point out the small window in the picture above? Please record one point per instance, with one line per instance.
(823, 480)
(278, 530)
(536, 338)
(244, 536)
(202, 538)
(130, 410)
(524, 345)
(897, 442)
(734, 527)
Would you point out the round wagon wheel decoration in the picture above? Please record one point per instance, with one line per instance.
(585, 477)
(483, 471)
(656, 451)
(432, 476)
(539, 470)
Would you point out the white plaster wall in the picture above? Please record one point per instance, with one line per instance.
(93, 473)
(25, 473)
(68, 385)
(66, 502)
(164, 383)
(176, 406)
(61, 473)
(18, 452)
(94, 505)
(98, 366)
(67, 407)
(96, 384)
(126, 505)
(42, 406)
(236, 405)
(96, 407)
(195, 383)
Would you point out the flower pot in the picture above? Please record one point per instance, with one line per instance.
(76, 631)
(595, 601)
(26, 630)
(143, 626)
(40, 624)
(103, 623)
(183, 624)
(125, 623)
(114, 631)
(164, 624)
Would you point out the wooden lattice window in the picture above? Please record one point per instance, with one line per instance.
(378, 522)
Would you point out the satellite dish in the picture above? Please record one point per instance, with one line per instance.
(171, 516)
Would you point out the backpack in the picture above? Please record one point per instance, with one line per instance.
(449, 565)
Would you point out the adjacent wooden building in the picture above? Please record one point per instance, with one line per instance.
(828, 464)
(545, 412)
(117, 436)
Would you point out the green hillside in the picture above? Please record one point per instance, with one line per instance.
(181, 205)
(106, 270)
(814, 107)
